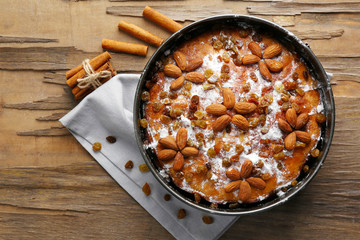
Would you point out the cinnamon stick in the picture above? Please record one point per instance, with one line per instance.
(76, 89)
(161, 19)
(140, 33)
(95, 64)
(84, 92)
(118, 46)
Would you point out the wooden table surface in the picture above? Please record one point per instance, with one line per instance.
(51, 188)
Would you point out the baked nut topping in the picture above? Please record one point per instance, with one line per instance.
(232, 116)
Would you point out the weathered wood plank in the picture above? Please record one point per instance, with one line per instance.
(187, 13)
(11, 39)
(50, 103)
(297, 8)
(55, 78)
(343, 68)
(47, 132)
(318, 34)
(52, 117)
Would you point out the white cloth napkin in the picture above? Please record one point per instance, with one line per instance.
(108, 112)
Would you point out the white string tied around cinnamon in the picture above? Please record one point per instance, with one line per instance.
(92, 77)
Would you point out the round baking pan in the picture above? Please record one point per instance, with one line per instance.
(290, 41)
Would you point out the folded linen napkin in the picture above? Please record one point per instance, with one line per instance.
(108, 112)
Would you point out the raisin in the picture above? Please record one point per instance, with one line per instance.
(293, 183)
(165, 119)
(143, 123)
(167, 197)
(96, 146)
(237, 61)
(239, 148)
(225, 68)
(173, 95)
(234, 158)
(211, 152)
(143, 168)
(226, 162)
(306, 168)
(253, 77)
(146, 189)
(207, 219)
(224, 77)
(195, 99)
(188, 176)
(257, 37)
(145, 96)
(111, 139)
(181, 213)
(157, 106)
(315, 152)
(266, 176)
(129, 164)
(244, 33)
(320, 118)
(295, 76)
(197, 197)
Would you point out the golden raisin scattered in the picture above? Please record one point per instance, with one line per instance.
(199, 136)
(211, 152)
(167, 197)
(197, 197)
(266, 176)
(165, 119)
(320, 118)
(143, 168)
(246, 87)
(214, 205)
(207, 219)
(300, 91)
(157, 106)
(129, 164)
(279, 156)
(226, 147)
(163, 94)
(143, 123)
(145, 96)
(296, 107)
(234, 158)
(260, 164)
(188, 86)
(239, 148)
(306, 168)
(96, 146)
(181, 213)
(224, 77)
(293, 183)
(315, 152)
(111, 139)
(226, 162)
(253, 77)
(146, 189)
(176, 125)
(279, 166)
(200, 123)
(300, 145)
(278, 148)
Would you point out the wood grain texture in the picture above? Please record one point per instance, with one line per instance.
(297, 8)
(11, 39)
(51, 188)
(188, 13)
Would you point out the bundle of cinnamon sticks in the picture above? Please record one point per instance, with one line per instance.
(98, 64)
(102, 62)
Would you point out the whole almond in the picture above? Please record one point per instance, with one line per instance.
(220, 123)
(273, 65)
(176, 84)
(272, 51)
(178, 162)
(291, 117)
(290, 141)
(193, 64)
(265, 73)
(283, 125)
(181, 138)
(232, 186)
(180, 60)
(166, 155)
(168, 142)
(233, 174)
(190, 151)
(246, 169)
(301, 120)
(240, 122)
(195, 77)
(244, 107)
(245, 191)
(250, 59)
(216, 109)
(302, 136)
(256, 183)
(228, 98)
(172, 70)
(255, 49)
